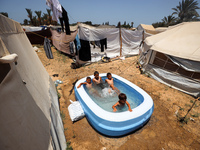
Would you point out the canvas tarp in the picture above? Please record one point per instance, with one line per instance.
(130, 41)
(62, 41)
(29, 111)
(182, 40)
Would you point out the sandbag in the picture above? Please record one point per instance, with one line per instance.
(75, 111)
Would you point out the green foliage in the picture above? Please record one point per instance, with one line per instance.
(4, 13)
(39, 19)
(185, 11)
(195, 115)
(62, 115)
(68, 146)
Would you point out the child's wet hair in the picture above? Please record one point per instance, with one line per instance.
(88, 78)
(122, 96)
(96, 72)
(108, 73)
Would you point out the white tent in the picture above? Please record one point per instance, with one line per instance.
(29, 109)
(173, 57)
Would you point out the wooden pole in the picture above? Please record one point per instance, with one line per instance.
(120, 36)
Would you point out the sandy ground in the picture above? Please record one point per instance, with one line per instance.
(162, 132)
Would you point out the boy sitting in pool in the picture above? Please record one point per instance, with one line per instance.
(121, 102)
(88, 84)
(97, 80)
(111, 83)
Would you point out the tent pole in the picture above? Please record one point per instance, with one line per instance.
(120, 36)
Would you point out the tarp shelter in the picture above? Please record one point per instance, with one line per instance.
(62, 41)
(173, 57)
(130, 41)
(29, 109)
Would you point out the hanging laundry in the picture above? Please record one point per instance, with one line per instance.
(65, 19)
(47, 48)
(78, 43)
(56, 9)
(85, 52)
(71, 46)
(103, 43)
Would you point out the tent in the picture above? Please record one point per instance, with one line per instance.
(29, 109)
(173, 57)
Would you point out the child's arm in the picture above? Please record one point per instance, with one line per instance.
(101, 80)
(81, 84)
(129, 106)
(114, 106)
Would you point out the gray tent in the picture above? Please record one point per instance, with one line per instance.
(173, 57)
(29, 109)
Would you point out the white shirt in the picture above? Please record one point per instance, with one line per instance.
(56, 9)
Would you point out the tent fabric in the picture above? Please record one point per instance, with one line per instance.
(130, 41)
(182, 40)
(62, 41)
(26, 95)
(189, 65)
(174, 80)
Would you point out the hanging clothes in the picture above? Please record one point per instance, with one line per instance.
(47, 48)
(78, 43)
(85, 52)
(65, 19)
(56, 9)
(103, 43)
(71, 46)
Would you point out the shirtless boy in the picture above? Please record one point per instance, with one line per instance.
(97, 80)
(88, 84)
(111, 83)
(122, 101)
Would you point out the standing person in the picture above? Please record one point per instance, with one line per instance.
(122, 101)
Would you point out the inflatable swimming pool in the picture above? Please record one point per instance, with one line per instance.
(116, 123)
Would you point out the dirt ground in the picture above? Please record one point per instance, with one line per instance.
(162, 132)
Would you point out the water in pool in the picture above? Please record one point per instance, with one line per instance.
(106, 100)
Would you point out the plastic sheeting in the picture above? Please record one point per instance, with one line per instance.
(186, 64)
(174, 80)
(130, 41)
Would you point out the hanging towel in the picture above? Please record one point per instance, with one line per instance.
(84, 52)
(78, 43)
(65, 19)
(47, 48)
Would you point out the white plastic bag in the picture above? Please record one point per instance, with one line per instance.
(75, 111)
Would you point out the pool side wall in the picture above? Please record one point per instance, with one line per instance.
(112, 128)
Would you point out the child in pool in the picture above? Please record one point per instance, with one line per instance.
(111, 83)
(88, 84)
(121, 102)
(97, 80)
